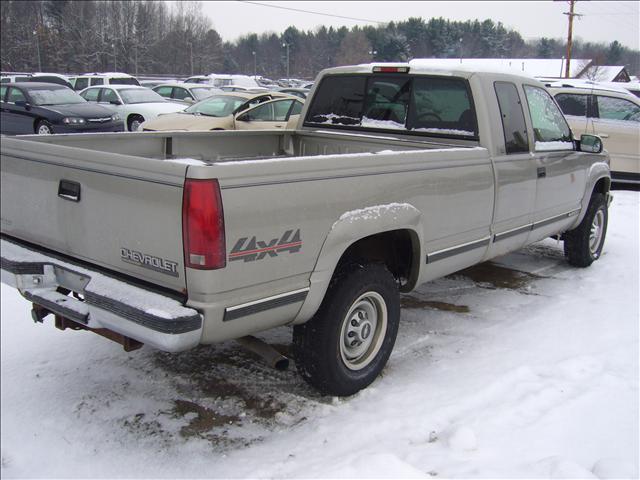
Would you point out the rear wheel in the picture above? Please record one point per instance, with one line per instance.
(43, 128)
(348, 342)
(583, 245)
(134, 122)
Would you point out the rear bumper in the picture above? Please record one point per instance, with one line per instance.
(110, 303)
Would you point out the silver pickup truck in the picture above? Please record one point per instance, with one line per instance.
(396, 175)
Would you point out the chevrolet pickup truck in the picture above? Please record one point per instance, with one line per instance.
(397, 174)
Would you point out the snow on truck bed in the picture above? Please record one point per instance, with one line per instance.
(519, 368)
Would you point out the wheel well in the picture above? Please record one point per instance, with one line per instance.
(132, 116)
(36, 122)
(397, 249)
(602, 186)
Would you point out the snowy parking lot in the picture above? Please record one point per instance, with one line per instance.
(519, 367)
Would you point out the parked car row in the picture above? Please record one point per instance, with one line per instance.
(46, 108)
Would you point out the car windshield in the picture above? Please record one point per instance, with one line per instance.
(140, 95)
(216, 106)
(58, 96)
(203, 92)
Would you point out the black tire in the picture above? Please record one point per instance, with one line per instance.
(368, 293)
(133, 121)
(583, 245)
(43, 128)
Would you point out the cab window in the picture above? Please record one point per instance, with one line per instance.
(442, 106)
(513, 124)
(386, 102)
(97, 81)
(551, 131)
(3, 92)
(610, 108)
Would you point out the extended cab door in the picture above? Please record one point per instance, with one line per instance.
(515, 171)
(560, 170)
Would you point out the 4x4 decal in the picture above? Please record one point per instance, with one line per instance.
(255, 249)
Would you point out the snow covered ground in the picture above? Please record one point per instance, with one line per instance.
(523, 367)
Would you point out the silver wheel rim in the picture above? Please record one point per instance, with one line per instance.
(44, 130)
(595, 235)
(363, 330)
(134, 125)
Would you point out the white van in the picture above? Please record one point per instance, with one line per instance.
(80, 82)
(220, 80)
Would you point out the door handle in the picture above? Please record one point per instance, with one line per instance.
(542, 172)
(69, 190)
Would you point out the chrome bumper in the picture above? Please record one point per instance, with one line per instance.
(110, 303)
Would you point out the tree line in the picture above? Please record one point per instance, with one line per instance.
(153, 37)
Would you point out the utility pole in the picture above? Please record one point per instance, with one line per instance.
(570, 14)
(287, 45)
(255, 65)
(35, 34)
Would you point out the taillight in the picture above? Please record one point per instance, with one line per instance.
(203, 225)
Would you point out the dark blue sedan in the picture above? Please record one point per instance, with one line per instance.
(46, 108)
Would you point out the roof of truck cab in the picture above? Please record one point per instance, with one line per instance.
(423, 66)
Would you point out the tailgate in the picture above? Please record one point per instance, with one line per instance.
(117, 211)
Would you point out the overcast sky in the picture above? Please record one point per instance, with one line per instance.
(602, 21)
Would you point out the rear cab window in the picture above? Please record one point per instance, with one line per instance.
(512, 115)
(414, 104)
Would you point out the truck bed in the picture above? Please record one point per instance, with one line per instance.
(214, 147)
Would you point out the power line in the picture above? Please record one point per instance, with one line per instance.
(314, 13)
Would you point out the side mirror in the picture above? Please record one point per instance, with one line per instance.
(24, 104)
(590, 143)
(244, 118)
(115, 102)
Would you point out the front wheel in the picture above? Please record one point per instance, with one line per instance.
(134, 122)
(348, 342)
(44, 128)
(583, 245)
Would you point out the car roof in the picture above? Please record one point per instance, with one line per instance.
(118, 86)
(595, 90)
(36, 85)
(186, 85)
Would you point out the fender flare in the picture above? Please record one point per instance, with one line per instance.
(596, 172)
(347, 230)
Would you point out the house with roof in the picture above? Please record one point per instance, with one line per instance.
(602, 73)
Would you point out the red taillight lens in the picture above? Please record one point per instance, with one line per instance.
(203, 225)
